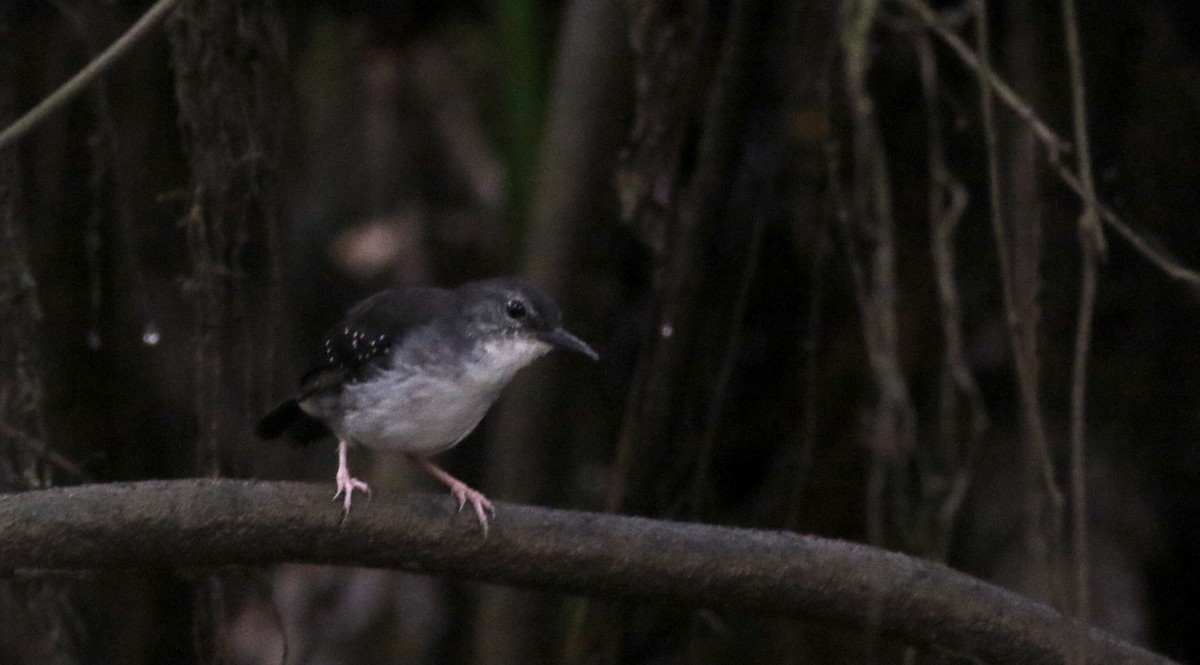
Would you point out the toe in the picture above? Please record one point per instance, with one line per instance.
(460, 495)
(345, 490)
(482, 515)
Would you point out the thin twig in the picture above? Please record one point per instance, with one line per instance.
(1054, 144)
(67, 91)
(1154, 255)
(1018, 324)
(894, 419)
(872, 212)
(991, 143)
(947, 203)
(105, 146)
(42, 451)
(978, 63)
(1091, 242)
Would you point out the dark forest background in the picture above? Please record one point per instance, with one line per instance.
(837, 274)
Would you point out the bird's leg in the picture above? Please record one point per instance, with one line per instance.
(460, 490)
(345, 483)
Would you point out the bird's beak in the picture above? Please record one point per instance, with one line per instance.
(560, 337)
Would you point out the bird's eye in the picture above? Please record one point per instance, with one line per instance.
(515, 309)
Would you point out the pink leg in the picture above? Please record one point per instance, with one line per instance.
(345, 483)
(461, 491)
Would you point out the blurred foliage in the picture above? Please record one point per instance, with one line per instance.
(747, 236)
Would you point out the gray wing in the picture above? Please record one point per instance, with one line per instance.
(364, 339)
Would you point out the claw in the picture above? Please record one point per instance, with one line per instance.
(345, 488)
(346, 484)
(462, 493)
(483, 507)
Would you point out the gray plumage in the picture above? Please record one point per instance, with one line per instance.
(414, 370)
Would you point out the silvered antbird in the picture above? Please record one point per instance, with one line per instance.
(414, 370)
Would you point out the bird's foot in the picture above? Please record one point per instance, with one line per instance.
(346, 486)
(483, 507)
(461, 492)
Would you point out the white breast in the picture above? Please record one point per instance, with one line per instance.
(424, 413)
(497, 361)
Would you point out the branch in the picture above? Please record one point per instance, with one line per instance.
(1055, 146)
(75, 85)
(208, 523)
(1091, 247)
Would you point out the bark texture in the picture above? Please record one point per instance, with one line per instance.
(209, 523)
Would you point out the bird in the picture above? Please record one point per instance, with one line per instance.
(414, 369)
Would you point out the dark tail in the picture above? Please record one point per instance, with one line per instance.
(289, 418)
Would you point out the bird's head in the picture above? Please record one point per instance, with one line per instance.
(515, 310)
